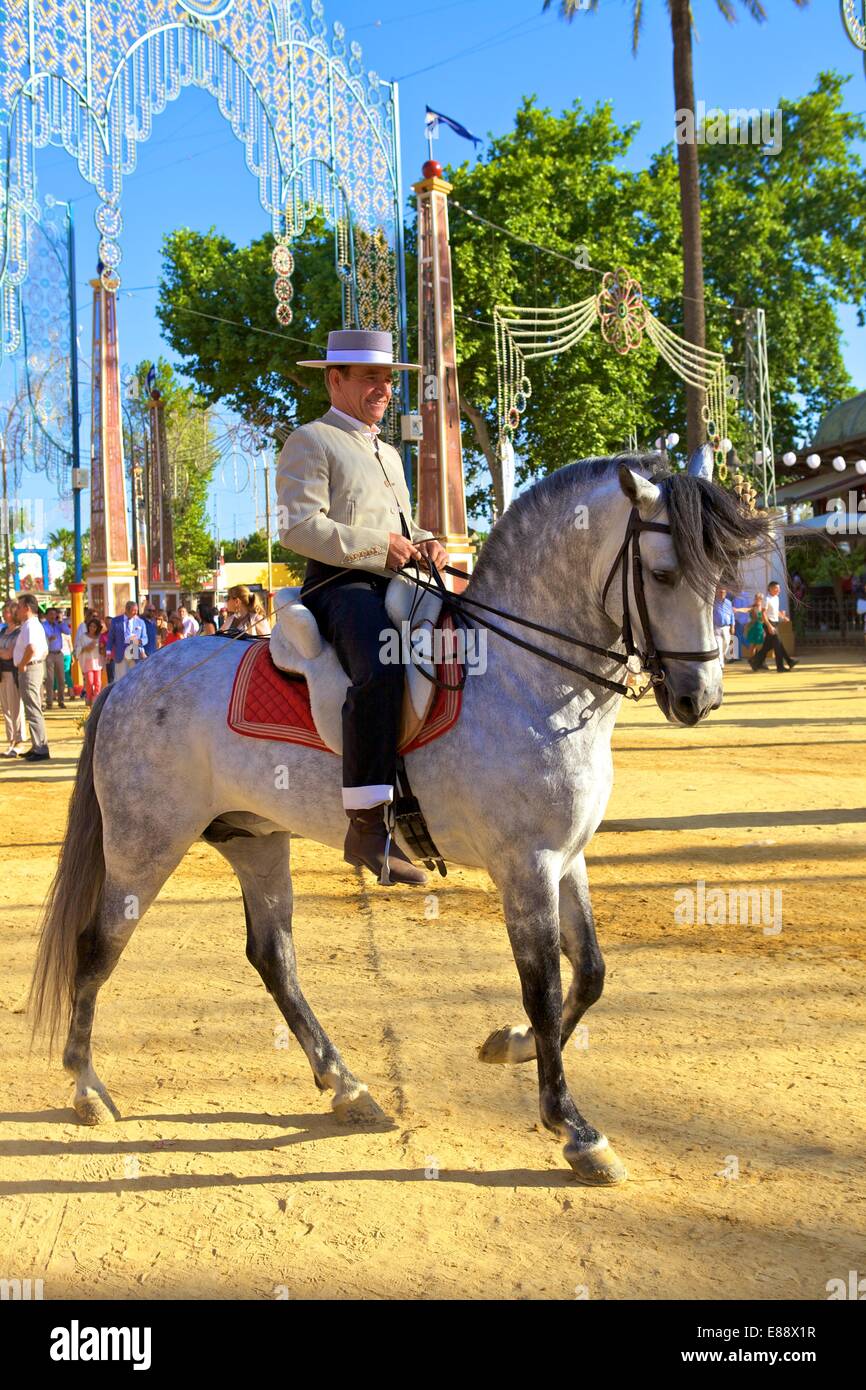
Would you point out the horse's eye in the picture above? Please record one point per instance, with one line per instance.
(665, 576)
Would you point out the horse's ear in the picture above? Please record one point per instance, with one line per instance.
(639, 490)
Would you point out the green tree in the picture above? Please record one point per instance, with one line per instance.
(209, 287)
(786, 231)
(63, 539)
(192, 454)
(254, 547)
(682, 19)
(558, 182)
(782, 231)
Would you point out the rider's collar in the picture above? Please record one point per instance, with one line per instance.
(360, 425)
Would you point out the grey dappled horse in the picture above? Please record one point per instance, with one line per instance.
(517, 787)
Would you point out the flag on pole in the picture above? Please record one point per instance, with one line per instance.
(431, 123)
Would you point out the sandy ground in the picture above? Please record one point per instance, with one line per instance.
(725, 1062)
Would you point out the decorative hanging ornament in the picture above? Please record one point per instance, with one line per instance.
(621, 311)
(855, 26)
(283, 263)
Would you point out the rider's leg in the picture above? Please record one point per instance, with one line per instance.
(354, 619)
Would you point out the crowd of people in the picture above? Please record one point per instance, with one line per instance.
(38, 646)
(757, 631)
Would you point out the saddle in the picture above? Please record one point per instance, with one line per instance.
(298, 648)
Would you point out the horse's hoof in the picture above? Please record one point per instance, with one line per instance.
(596, 1164)
(515, 1044)
(357, 1108)
(95, 1108)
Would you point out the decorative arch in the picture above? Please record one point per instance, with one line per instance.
(319, 133)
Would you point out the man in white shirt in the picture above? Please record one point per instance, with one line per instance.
(127, 639)
(188, 624)
(29, 654)
(772, 641)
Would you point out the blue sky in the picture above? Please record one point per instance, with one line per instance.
(474, 60)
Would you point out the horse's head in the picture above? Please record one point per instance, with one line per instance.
(706, 535)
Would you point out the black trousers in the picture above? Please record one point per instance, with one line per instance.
(351, 617)
(772, 643)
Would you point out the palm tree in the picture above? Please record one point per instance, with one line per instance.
(694, 325)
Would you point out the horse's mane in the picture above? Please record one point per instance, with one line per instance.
(711, 532)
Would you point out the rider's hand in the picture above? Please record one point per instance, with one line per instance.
(432, 550)
(400, 550)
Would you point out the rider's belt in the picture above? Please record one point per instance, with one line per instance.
(316, 572)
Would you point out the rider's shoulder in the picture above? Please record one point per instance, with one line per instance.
(314, 434)
(322, 431)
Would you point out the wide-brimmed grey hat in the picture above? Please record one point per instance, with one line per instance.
(349, 347)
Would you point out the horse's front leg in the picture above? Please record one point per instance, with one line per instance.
(579, 944)
(532, 916)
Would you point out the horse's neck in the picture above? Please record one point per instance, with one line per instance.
(546, 577)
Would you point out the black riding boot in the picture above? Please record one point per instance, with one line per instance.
(365, 845)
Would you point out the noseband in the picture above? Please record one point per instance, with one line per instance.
(627, 557)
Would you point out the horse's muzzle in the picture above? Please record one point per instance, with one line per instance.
(687, 705)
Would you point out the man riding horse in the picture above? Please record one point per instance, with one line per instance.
(344, 504)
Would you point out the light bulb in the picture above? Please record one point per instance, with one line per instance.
(673, 440)
(789, 459)
(814, 461)
(860, 466)
(839, 463)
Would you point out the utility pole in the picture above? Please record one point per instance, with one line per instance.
(80, 478)
(5, 523)
(268, 526)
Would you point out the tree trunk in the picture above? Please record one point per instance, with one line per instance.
(488, 449)
(690, 214)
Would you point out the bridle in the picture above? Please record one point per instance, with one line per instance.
(627, 559)
(650, 659)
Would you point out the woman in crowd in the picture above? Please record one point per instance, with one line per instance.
(175, 630)
(755, 632)
(207, 624)
(161, 627)
(91, 658)
(10, 701)
(245, 613)
(66, 648)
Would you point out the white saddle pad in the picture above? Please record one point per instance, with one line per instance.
(298, 646)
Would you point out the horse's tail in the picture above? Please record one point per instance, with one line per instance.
(75, 897)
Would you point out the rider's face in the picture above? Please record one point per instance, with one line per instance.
(362, 391)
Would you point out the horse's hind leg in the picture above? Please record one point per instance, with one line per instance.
(530, 899)
(579, 945)
(131, 884)
(261, 862)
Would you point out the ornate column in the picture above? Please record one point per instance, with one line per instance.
(162, 585)
(441, 491)
(111, 576)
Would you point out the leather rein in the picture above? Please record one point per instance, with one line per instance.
(627, 559)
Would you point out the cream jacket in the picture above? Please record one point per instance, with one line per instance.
(337, 503)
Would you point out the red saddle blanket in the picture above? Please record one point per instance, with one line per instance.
(269, 703)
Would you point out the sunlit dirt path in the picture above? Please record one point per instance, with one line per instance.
(725, 1062)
